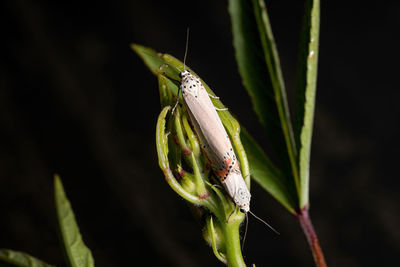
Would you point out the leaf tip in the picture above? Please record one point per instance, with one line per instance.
(57, 182)
(135, 47)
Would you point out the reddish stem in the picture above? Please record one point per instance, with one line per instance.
(311, 236)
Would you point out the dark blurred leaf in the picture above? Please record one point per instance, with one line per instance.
(259, 68)
(77, 252)
(21, 259)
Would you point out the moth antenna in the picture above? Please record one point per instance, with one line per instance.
(184, 68)
(264, 222)
(186, 48)
(245, 231)
(177, 101)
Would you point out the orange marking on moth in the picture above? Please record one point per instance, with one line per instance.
(221, 174)
(228, 162)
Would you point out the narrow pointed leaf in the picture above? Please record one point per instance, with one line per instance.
(149, 56)
(21, 259)
(77, 252)
(275, 73)
(306, 91)
(253, 70)
(155, 62)
(259, 67)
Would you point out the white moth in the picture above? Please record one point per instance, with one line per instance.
(215, 142)
(214, 139)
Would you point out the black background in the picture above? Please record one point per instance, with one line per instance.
(77, 101)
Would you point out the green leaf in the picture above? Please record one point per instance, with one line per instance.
(267, 175)
(306, 91)
(259, 67)
(77, 253)
(149, 56)
(166, 97)
(155, 62)
(21, 259)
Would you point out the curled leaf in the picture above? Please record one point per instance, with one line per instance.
(214, 236)
(162, 151)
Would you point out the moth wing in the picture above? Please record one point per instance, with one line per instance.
(204, 114)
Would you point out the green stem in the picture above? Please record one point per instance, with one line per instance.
(232, 242)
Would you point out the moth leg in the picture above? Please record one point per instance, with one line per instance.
(221, 109)
(218, 186)
(177, 101)
(216, 97)
(213, 96)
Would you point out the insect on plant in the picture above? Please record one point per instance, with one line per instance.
(178, 142)
(214, 140)
(201, 146)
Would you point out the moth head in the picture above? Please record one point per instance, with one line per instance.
(242, 199)
(184, 73)
(245, 208)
